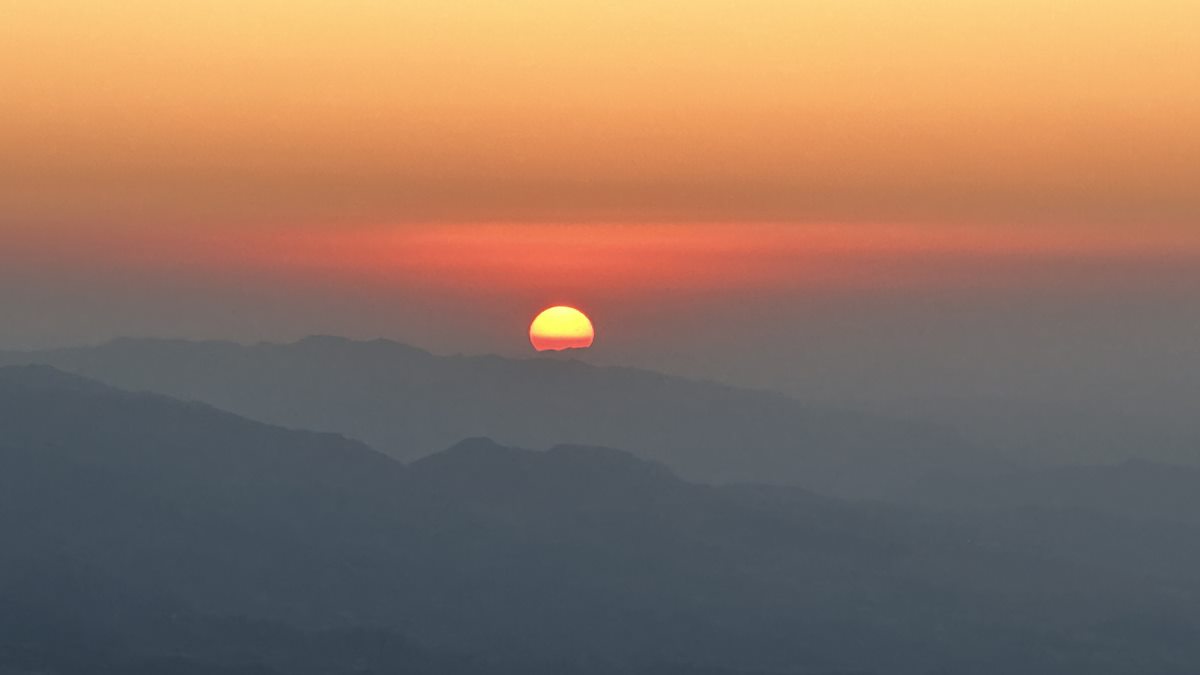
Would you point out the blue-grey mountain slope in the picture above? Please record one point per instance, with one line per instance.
(409, 403)
(138, 524)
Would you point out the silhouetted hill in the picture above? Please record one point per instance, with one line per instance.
(410, 403)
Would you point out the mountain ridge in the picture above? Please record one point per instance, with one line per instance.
(408, 402)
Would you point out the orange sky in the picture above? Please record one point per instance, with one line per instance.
(701, 143)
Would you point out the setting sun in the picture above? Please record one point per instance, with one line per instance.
(559, 328)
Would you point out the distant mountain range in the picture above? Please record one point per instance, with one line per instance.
(146, 534)
(409, 403)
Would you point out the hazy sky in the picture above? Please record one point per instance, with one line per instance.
(250, 113)
(721, 184)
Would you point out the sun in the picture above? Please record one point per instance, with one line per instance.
(559, 328)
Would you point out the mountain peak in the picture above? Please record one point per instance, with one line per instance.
(576, 474)
(337, 342)
(316, 340)
(476, 451)
(477, 445)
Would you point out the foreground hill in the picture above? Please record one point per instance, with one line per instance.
(144, 530)
(409, 403)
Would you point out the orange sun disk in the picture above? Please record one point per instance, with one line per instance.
(559, 328)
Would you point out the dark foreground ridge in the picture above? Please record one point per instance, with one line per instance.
(148, 535)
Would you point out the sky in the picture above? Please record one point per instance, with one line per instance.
(847, 199)
(332, 114)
